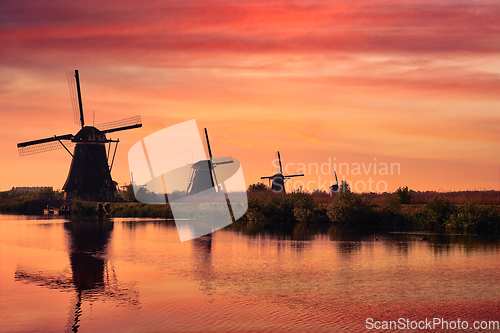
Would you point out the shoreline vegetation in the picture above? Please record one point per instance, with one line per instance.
(404, 209)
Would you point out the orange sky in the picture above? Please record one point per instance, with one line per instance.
(409, 82)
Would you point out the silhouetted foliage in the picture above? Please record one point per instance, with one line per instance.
(349, 208)
(127, 192)
(441, 210)
(266, 205)
(353, 209)
(259, 187)
(404, 195)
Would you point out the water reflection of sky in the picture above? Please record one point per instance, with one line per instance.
(91, 277)
(136, 274)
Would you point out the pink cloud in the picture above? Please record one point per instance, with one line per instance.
(136, 31)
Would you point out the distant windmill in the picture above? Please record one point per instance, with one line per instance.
(278, 180)
(335, 188)
(202, 176)
(90, 174)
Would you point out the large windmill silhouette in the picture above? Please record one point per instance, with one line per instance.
(278, 179)
(90, 173)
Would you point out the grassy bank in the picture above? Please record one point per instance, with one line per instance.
(402, 210)
(120, 209)
(29, 201)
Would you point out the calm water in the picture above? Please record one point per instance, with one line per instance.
(133, 275)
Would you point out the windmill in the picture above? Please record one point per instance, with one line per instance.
(89, 176)
(278, 180)
(335, 188)
(202, 176)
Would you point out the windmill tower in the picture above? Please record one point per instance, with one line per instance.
(202, 176)
(89, 176)
(278, 180)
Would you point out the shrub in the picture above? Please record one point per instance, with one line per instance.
(349, 208)
(404, 195)
(440, 210)
(259, 187)
(280, 208)
(79, 207)
(472, 218)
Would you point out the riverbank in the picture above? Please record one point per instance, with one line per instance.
(391, 211)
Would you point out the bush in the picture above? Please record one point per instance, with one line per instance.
(281, 208)
(349, 208)
(79, 207)
(404, 195)
(304, 207)
(259, 187)
(471, 218)
(440, 210)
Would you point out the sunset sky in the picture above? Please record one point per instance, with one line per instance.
(413, 83)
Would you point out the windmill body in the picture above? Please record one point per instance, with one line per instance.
(203, 174)
(278, 179)
(89, 176)
(278, 183)
(201, 177)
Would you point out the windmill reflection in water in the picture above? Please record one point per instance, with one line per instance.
(92, 276)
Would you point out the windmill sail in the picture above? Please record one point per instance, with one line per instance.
(120, 125)
(43, 145)
(76, 97)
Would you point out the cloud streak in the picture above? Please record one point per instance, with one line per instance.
(138, 30)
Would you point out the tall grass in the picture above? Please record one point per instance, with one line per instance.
(120, 209)
(457, 197)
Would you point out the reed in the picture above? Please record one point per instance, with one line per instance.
(475, 197)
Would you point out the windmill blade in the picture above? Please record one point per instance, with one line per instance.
(212, 175)
(208, 145)
(76, 96)
(279, 158)
(266, 177)
(221, 160)
(43, 145)
(120, 125)
(335, 172)
(294, 176)
(51, 281)
(219, 163)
